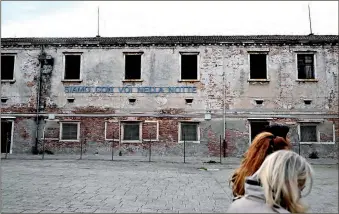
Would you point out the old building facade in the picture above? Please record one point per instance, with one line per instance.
(128, 92)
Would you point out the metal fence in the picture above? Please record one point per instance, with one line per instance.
(111, 150)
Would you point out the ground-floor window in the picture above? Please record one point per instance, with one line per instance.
(189, 131)
(257, 126)
(308, 133)
(131, 131)
(69, 130)
(6, 135)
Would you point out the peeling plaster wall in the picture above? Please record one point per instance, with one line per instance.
(283, 96)
(22, 93)
(283, 92)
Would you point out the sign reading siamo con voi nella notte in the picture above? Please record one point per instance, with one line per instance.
(130, 89)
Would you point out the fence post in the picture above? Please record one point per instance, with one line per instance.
(7, 140)
(220, 149)
(113, 146)
(184, 149)
(43, 144)
(150, 147)
(224, 147)
(81, 149)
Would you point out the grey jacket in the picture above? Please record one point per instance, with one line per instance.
(254, 200)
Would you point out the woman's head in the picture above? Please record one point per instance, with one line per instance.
(283, 176)
(263, 144)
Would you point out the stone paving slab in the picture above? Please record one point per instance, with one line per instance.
(86, 186)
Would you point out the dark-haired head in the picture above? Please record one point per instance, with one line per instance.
(278, 130)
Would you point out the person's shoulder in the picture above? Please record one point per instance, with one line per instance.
(246, 205)
(241, 205)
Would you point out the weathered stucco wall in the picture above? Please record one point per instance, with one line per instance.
(160, 67)
(283, 96)
(283, 92)
(21, 94)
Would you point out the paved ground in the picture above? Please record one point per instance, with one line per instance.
(74, 186)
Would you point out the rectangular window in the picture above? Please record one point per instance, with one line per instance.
(70, 131)
(7, 67)
(257, 127)
(189, 66)
(72, 66)
(131, 131)
(258, 67)
(305, 66)
(133, 66)
(189, 131)
(308, 133)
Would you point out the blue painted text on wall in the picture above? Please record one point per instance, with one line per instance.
(130, 89)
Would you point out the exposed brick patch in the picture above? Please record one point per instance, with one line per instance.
(52, 108)
(92, 129)
(336, 127)
(52, 132)
(112, 130)
(168, 130)
(92, 109)
(30, 83)
(23, 132)
(18, 109)
(171, 111)
(149, 130)
(231, 138)
(60, 147)
(284, 121)
(326, 137)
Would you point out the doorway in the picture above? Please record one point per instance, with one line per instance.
(6, 136)
(256, 127)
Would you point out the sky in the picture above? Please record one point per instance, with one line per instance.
(160, 18)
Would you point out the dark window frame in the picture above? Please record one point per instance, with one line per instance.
(196, 54)
(65, 66)
(130, 77)
(13, 69)
(302, 65)
(62, 134)
(263, 121)
(131, 123)
(253, 70)
(301, 135)
(188, 139)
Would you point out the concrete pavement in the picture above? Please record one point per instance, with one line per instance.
(86, 186)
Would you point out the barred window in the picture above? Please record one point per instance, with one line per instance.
(308, 133)
(131, 131)
(305, 66)
(69, 131)
(189, 131)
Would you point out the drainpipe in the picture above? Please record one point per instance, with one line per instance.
(41, 60)
(224, 103)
